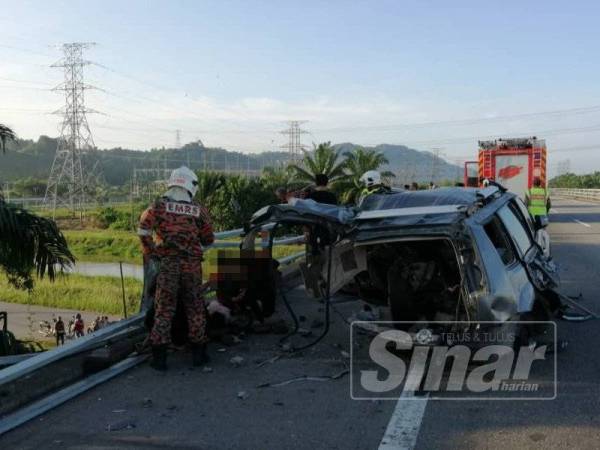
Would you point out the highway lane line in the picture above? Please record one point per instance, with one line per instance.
(404, 425)
(403, 428)
(583, 223)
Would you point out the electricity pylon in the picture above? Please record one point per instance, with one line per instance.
(69, 175)
(294, 145)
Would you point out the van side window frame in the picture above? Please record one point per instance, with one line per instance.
(500, 234)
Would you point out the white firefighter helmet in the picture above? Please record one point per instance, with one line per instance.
(371, 178)
(183, 177)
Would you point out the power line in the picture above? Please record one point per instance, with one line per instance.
(30, 88)
(25, 50)
(14, 80)
(469, 121)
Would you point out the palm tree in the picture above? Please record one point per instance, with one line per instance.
(273, 177)
(29, 242)
(323, 160)
(6, 134)
(209, 184)
(359, 161)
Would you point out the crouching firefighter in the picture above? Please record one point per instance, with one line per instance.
(180, 227)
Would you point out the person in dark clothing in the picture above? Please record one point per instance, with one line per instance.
(59, 329)
(281, 194)
(79, 326)
(318, 238)
(321, 194)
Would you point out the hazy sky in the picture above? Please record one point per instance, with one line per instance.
(422, 73)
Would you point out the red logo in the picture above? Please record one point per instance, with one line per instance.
(509, 172)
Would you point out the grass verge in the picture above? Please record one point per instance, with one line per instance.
(104, 246)
(78, 292)
(114, 246)
(100, 294)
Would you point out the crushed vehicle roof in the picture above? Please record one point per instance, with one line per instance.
(440, 206)
(410, 199)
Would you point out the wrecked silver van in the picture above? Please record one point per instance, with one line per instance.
(449, 254)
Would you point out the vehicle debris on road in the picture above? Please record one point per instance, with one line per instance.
(243, 395)
(237, 361)
(333, 377)
(122, 425)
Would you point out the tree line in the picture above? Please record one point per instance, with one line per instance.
(570, 180)
(233, 198)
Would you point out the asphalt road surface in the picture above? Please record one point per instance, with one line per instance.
(224, 408)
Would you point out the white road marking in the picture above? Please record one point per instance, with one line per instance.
(404, 425)
(583, 223)
(403, 428)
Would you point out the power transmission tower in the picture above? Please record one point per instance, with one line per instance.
(564, 167)
(435, 163)
(459, 163)
(177, 139)
(178, 146)
(69, 175)
(148, 183)
(294, 145)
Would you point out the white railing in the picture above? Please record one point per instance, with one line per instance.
(584, 194)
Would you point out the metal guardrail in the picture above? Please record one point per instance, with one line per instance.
(222, 242)
(55, 399)
(22, 368)
(25, 368)
(70, 348)
(584, 194)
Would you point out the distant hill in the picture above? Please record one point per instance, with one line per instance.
(412, 165)
(30, 159)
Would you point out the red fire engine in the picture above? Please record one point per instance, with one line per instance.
(514, 163)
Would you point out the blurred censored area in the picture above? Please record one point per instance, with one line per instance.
(247, 279)
(245, 283)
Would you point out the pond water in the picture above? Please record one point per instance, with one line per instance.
(108, 269)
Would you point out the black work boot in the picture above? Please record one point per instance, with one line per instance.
(159, 357)
(199, 355)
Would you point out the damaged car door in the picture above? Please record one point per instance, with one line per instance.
(541, 270)
(511, 260)
(509, 291)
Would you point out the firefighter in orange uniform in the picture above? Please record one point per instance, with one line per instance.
(174, 229)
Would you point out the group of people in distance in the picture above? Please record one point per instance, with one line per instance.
(76, 327)
(320, 193)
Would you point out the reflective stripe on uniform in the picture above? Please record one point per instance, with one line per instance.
(537, 201)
